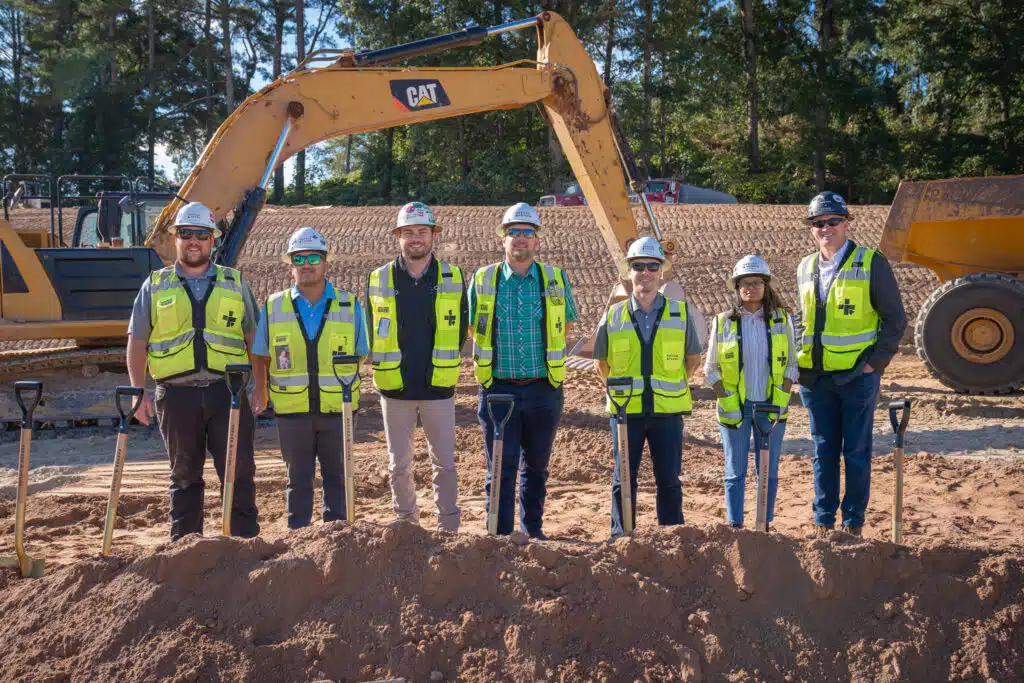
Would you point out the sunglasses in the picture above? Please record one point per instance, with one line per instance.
(188, 234)
(520, 232)
(831, 222)
(753, 283)
(311, 259)
(641, 267)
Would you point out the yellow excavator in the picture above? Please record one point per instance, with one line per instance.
(342, 92)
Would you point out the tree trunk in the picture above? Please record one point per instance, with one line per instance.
(16, 65)
(746, 8)
(300, 158)
(229, 71)
(463, 160)
(647, 86)
(151, 73)
(389, 162)
(280, 17)
(348, 154)
(609, 45)
(825, 24)
(208, 48)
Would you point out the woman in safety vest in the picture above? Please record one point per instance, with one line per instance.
(751, 359)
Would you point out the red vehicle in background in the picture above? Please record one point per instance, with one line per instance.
(573, 196)
(675, 191)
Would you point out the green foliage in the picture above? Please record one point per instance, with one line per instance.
(900, 89)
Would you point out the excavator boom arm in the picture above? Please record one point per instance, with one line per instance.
(316, 104)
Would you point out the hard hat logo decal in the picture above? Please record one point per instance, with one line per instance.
(417, 94)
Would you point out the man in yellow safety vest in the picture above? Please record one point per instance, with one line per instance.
(300, 330)
(852, 320)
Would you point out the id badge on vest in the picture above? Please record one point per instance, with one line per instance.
(282, 352)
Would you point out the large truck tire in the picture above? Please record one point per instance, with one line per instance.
(970, 333)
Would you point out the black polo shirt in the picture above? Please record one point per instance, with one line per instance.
(417, 323)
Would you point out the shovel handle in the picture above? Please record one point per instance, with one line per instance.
(128, 412)
(29, 407)
(899, 423)
(621, 385)
(237, 376)
(346, 384)
(500, 399)
(768, 410)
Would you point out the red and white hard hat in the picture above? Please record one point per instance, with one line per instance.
(196, 215)
(416, 213)
(645, 247)
(749, 265)
(519, 213)
(305, 239)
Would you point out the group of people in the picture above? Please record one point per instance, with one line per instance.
(194, 318)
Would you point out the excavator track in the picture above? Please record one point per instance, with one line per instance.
(26, 364)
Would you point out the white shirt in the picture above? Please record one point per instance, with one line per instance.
(755, 356)
(828, 268)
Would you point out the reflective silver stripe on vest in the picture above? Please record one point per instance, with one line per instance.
(729, 414)
(387, 357)
(346, 314)
(447, 285)
(228, 285)
(384, 288)
(277, 314)
(214, 338)
(382, 292)
(291, 381)
(666, 386)
(778, 329)
(846, 339)
(169, 344)
(487, 287)
(484, 354)
(554, 289)
(553, 356)
(672, 322)
(440, 354)
(807, 340)
(332, 381)
(617, 322)
(729, 335)
(638, 385)
(168, 283)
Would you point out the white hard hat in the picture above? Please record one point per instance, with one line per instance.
(304, 239)
(416, 213)
(196, 215)
(519, 213)
(749, 265)
(646, 247)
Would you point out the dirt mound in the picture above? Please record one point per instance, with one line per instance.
(357, 603)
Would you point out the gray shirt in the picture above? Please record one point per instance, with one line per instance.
(141, 324)
(755, 356)
(645, 324)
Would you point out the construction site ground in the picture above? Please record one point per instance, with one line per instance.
(382, 600)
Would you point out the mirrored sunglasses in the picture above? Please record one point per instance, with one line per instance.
(831, 222)
(639, 267)
(189, 233)
(311, 259)
(520, 232)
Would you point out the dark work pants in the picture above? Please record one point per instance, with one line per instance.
(194, 420)
(664, 434)
(304, 440)
(529, 434)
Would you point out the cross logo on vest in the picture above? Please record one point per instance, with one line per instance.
(847, 308)
(782, 358)
(230, 319)
(558, 326)
(417, 94)
(450, 318)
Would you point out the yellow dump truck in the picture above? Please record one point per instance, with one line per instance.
(970, 232)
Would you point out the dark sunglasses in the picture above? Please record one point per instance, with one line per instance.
(188, 234)
(520, 232)
(831, 222)
(311, 259)
(641, 267)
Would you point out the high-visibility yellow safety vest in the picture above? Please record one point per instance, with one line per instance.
(302, 378)
(667, 380)
(485, 294)
(173, 349)
(851, 322)
(730, 360)
(387, 356)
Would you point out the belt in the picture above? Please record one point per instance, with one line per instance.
(519, 382)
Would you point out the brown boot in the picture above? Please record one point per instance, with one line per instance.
(824, 531)
(853, 530)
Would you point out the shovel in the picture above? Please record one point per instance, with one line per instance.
(347, 428)
(120, 451)
(497, 446)
(899, 428)
(237, 376)
(762, 442)
(619, 386)
(30, 568)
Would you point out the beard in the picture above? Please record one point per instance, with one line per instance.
(415, 252)
(524, 254)
(195, 260)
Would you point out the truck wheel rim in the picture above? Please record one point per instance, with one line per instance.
(982, 335)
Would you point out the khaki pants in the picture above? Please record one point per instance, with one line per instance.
(438, 418)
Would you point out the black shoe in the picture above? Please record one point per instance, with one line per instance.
(538, 536)
(736, 525)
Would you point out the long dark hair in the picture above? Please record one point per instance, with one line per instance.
(769, 304)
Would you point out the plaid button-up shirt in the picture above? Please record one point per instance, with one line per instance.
(518, 339)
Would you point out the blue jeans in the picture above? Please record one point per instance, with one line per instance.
(528, 436)
(736, 443)
(664, 433)
(842, 420)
